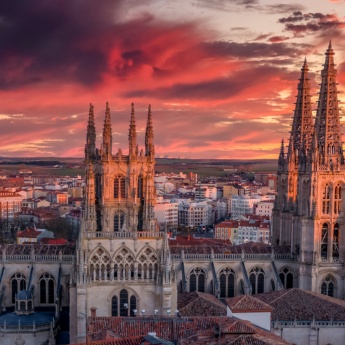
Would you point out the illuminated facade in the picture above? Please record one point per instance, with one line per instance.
(309, 210)
(123, 261)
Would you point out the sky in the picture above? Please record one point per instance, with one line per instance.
(221, 75)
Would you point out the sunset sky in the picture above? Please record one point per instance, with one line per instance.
(221, 75)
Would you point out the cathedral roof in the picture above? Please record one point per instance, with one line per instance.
(13, 320)
(38, 249)
(297, 304)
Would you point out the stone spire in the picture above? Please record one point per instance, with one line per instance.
(281, 159)
(107, 134)
(327, 124)
(149, 147)
(302, 124)
(90, 146)
(132, 136)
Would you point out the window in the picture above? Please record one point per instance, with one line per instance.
(123, 304)
(47, 289)
(324, 241)
(286, 277)
(119, 188)
(197, 280)
(326, 200)
(227, 283)
(336, 241)
(119, 219)
(18, 283)
(257, 280)
(328, 286)
(337, 199)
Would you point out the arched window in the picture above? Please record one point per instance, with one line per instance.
(328, 286)
(286, 277)
(114, 306)
(227, 283)
(197, 280)
(336, 241)
(337, 199)
(100, 265)
(324, 241)
(119, 188)
(47, 285)
(123, 304)
(326, 199)
(119, 219)
(18, 283)
(257, 280)
(273, 285)
(133, 305)
(140, 187)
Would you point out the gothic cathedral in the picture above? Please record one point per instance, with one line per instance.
(309, 210)
(123, 264)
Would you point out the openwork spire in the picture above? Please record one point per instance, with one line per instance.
(107, 133)
(149, 147)
(302, 124)
(327, 124)
(90, 147)
(132, 136)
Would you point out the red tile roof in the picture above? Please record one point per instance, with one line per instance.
(29, 233)
(297, 304)
(247, 303)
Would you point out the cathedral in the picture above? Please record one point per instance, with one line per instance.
(124, 266)
(309, 209)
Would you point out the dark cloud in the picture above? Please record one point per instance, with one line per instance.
(284, 8)
(276, 39)
(214, 89)
(311, 23)
(252, 49)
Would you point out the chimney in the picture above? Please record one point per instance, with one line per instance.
(93, 311)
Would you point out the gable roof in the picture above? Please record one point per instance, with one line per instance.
(247, 303)
(297, 304)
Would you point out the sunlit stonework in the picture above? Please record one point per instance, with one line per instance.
(123, 262)
(309, 209)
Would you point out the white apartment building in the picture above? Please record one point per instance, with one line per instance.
(253, 231)
(264, 208)
(242, 204)
(10, 203)
(194, 213)
(166, 212)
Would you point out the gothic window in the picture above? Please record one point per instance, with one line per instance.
(114, 306)
(100, 265)
(257, 280)
(324, 241)
(328, 286)
(132, 305)
(197, 280)
(337, 199)
(147, 264)
(123, 304)
(18, 283)
(47, 284)
(119, 188)
(119, 219)
(286, 277)
(227, 283)
(336, 241)
(124, 265)
(140, 187)
(326, 200)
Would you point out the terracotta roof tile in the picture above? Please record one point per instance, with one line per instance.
(247, 303)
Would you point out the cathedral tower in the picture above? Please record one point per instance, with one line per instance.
(309, 208)
(123, 266)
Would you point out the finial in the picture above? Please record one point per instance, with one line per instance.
(330, 44)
